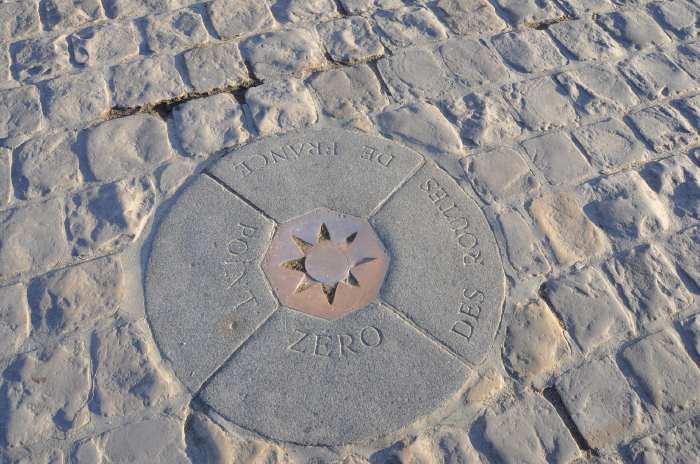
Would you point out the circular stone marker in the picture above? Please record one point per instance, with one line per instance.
(323, 287)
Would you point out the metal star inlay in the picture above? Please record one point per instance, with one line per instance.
(325, 263)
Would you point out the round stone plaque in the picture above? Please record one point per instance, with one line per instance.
(323, 287)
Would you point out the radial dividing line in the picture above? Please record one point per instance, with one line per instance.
(426, 334)
(384, 201)
(239, 196)
(233, 353)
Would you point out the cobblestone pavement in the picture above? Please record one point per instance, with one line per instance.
(573, 123)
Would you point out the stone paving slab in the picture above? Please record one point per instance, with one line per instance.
(299, 380)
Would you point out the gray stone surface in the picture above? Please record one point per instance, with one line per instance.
(634, 29)
(588, 307)
(648, 284)
(302, 381)
(474, 17)
(289, 176)
(33, 237)
(216, 66)
(63, 14)
(529, 11)
(409, 26)
(170, 32)
(605, 409)
(20, 113)
(529, 431)
(656, 76)
(472, 62)
(75, 100)
(498, 174)
(350, 40)
(107, 218)
(523, 250)
(5, 176)
(18, 19)
(283, 53)
(45, 165)
(528, 51)
(541, 104)
(303, 10)
(231, 238)
(232, 18)
(145, 81)
(14, 318)
(664, 372)
(610, 144)
(40, 58)
(585, 40)
(348, 92)
(556, 155)
(281, 106)
(415, 72)
(104, 44)
(679, 444)
(448, 237)
(663, 128)
(124, 146)
(209, 124)
(71, 299)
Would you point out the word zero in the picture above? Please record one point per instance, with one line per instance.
(336, 345)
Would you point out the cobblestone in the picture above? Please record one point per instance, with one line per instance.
(571, 124)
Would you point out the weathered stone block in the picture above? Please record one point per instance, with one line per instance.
(124, 146)
(18, 19)
(598, 89)
(108, 43)
(415, 73)
(684, 248)
(645, 279)
(529, 11)
(349, 91)
(556, 155)
(522, 247)
(572, 236)
(34, 238)
(128, 374)
(36, 409)
(541, 104)
(408, 26)
(634, 29)
(105, 219)
(678, 444)
(170, 32)
(610, 144)
(232, 18)
(663, 128)
(534, 341)
(14, 319)
(664, 371)
(146, 81)
(469, 17)
(499, 174)
(206, 125)
(37, 59)
(281, 106)
(350, 40)
(528, 51)
(585, 40)
(75, 100)
(216, 66)
(656, 76)
(472, 62)
(680, 17)
(605, 409)
(588, 308)
(484, 119)
(67, 14)
(283, 53)
(677, 181)
(529, 431)
(303, 10)
(626, 208)
(45, 165)
(76, 297)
